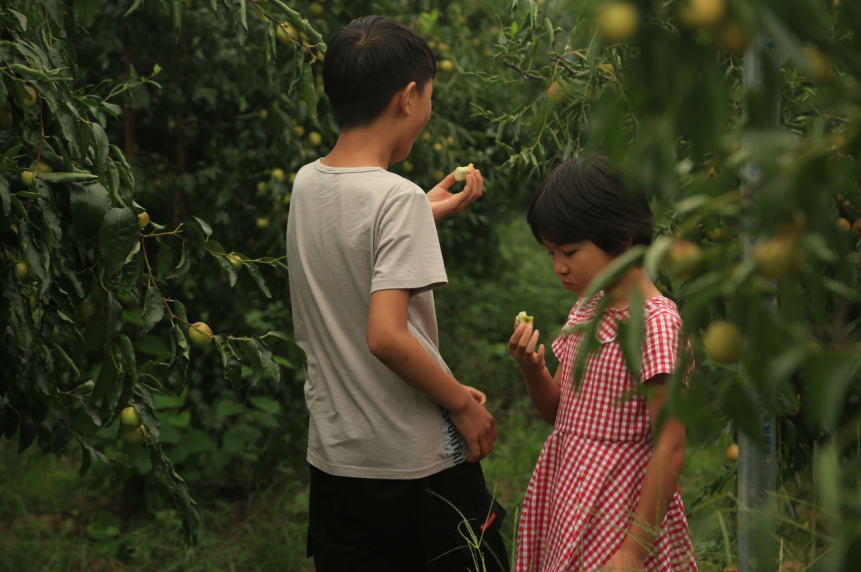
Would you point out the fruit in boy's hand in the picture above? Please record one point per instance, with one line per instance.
(136, 436)
(699, 14)
(200, 334)
(778, 257)
(461, 172)
(617, 22)
(143, 219)
(522, 318)
(130, 418)
(722, 342)
(732, 453)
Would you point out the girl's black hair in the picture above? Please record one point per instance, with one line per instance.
(587, 198)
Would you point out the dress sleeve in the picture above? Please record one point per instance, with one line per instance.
(662, 346)
(562, 344)
(407, 254)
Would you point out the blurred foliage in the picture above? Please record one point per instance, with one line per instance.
(214, 111)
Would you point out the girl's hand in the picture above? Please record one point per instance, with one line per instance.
(477, 395)
(625, 561)
(521, 346)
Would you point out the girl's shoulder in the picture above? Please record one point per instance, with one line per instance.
(661, 307)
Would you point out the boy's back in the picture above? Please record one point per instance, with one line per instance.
(351, 232)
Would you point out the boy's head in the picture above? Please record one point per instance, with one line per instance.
(368, 62)
(586, 198)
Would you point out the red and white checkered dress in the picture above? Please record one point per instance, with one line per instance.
(586, 485)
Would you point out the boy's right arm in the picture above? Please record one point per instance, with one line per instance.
(543, 389)
(390, 341)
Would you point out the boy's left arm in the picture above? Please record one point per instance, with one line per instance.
(659, 484)
(445, 204)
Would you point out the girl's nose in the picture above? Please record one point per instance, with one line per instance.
(560, 268)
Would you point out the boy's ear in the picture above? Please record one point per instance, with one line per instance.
(404, 97)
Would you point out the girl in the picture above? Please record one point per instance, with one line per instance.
(604, 494)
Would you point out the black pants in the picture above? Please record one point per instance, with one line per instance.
(382, 525)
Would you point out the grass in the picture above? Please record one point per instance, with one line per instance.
(53, 520)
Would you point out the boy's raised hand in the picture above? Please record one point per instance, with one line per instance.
(444, 204)
(521, 346)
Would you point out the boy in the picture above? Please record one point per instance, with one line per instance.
(388, 422)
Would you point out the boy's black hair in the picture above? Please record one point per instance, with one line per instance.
(587, 198)
(367, 62)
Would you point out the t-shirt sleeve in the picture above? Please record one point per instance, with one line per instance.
(661, 346)
(407, 254)
(562, 344)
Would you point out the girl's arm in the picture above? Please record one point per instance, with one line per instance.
(660, 481)
(543, 389)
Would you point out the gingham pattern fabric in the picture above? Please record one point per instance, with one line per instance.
(586, 485)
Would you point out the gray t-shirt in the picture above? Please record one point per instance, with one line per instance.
(351, 232)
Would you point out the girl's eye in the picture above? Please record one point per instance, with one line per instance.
(569, 253)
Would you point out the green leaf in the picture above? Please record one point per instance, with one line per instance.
(265, 403)
(229, 408)
(87, 10)
(309, 92)
(109, 383)
(153, 308)
(258, 278)
(89, 205)
(102, 147)
(127, 353)
(630, 336)
(230, 361)
(178, 368)
(253, 355)
(119, 238)
(36, 256)
(5, 196)
(89, 453)
(67, 177)
(207, 230)
(615, 270)
(183, 266)
(291, 343)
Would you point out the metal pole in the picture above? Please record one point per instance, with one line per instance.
(757, 470)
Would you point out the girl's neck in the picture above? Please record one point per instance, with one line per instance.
(637, 279)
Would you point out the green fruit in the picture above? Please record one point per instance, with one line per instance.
(34, 301)
(314, 139)
(722, 342)
(136, 436)
(446, 66)
(235, 261)
(143, 219)
(287, 33)
(200, 334)
(43, 167)
(522, 318)
(618, 22)
(778, 257)
(683, 259)
(5, 119)
(86, 310)
(130, 418)
(278, 175)
(27, 178)
(556, 93)
(700, 14)
(34, 96)
(22, 271)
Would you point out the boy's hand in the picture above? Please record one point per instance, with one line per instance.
(444, 204)
(477, 427)
(521, 346)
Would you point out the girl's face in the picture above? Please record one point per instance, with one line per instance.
(577, 263)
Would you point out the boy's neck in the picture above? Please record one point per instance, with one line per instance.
(635, 279)
(362, 147)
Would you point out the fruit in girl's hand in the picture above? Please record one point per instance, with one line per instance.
(130, 418)
(461, 172)
(200, 334)
(722, 342)
(617, 22)
(522, 318)
(732, 453)
(699, 14)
